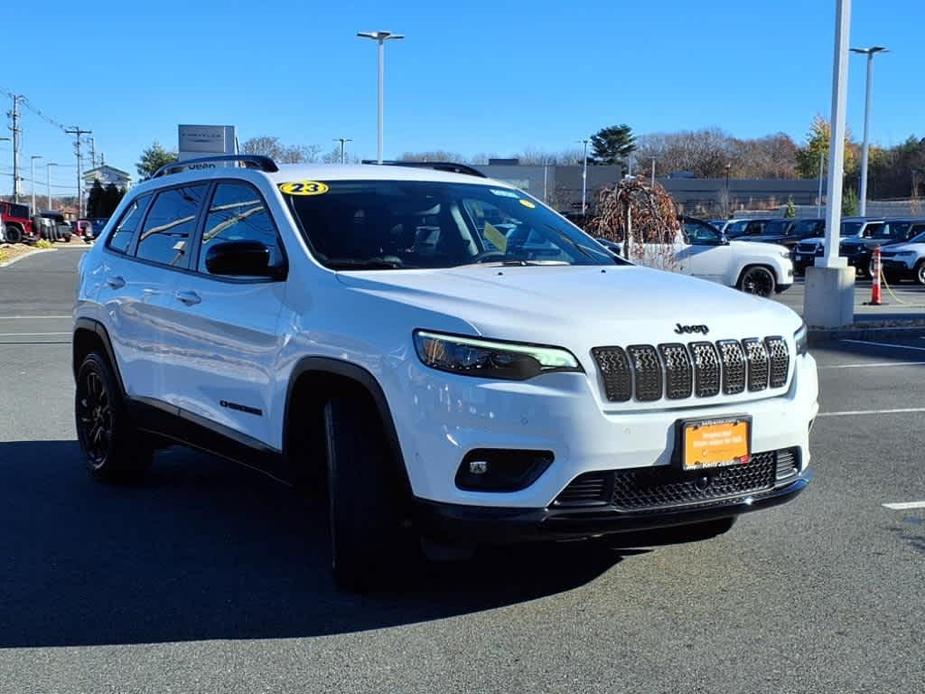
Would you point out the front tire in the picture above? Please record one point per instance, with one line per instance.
(13, 234)
(920, 272)
(757, 280)
(363, 494)
(114, 450)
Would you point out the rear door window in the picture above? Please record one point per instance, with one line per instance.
(120, 240)
(170, 224)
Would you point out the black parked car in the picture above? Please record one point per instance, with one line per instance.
(789, 232)
(742, 228)
(858, 250)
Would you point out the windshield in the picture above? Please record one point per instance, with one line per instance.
(373, 225)
(891, 230)
(851, 228)
(917, 239)
(803, 227)
(777, 227)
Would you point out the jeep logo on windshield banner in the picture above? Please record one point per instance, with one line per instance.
(688, 329)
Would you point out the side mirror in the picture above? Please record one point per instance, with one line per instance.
(242, 259)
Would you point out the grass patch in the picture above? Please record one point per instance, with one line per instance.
(44, 244)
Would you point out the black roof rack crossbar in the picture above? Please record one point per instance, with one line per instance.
(449, 166)
(253, 161)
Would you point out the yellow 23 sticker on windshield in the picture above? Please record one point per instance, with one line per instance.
(304, 188)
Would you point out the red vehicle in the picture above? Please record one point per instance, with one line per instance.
(16, 221)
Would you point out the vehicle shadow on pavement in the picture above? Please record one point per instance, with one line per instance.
(204, 549)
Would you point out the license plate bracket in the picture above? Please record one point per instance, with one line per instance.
(714, 442)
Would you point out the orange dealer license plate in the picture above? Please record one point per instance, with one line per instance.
(710, 443)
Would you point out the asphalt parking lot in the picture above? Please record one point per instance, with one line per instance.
(212, 578)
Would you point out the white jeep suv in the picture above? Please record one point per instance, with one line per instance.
(453, 360)
(905, 260)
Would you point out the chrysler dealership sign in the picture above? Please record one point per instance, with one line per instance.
(203, 140)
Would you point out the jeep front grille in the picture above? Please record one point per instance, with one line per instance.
(677, 371)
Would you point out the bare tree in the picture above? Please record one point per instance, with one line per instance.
(284, 154)
(433, 155)
(703, 153)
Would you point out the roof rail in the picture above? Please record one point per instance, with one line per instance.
(253, 161)
(449, 166)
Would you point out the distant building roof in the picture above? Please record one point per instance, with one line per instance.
(106, 173)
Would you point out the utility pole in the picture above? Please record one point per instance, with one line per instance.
(32, 182)
(343, 142)
(653, 172)
(92, 142)
(17, 143)
(77, 133)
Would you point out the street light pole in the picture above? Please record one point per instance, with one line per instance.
(821, 170)
(870, 53)
(343, 141)
(584, 178)
(48, 166)
(32, 179)
(380, 37)
(726, 193)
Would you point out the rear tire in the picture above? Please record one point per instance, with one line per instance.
(113, 447)
(13, 234)
(757, 280)
(363, 494)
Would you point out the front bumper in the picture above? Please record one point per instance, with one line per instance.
(897, 266)
(486, 525)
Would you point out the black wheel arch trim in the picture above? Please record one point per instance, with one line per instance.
(364, 378)
(94, 326)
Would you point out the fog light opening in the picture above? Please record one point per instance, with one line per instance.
(501, 470)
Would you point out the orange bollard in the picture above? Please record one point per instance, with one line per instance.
(875, 269)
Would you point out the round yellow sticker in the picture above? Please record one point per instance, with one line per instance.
(527, 203)
(304, 188)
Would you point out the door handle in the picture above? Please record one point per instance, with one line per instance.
(116, 282)
(188, 298)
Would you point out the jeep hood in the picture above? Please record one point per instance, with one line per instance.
(590, 305)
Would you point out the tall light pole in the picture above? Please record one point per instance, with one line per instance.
(343, 142)
(829, 298)
(728, 167)
(32, 180)
(380, 37)
(870, 53)
(584, 177)
(48, 166)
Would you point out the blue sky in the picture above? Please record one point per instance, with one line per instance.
(472, 76)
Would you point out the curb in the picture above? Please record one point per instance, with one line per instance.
(912, 328)
(31, 253)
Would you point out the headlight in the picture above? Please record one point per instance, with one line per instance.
(785, 253)
(799, 337)
(471, 356)
(905, 253)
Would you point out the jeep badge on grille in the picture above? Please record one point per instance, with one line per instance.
(688, 329)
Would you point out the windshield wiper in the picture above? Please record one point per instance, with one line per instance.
(363, 264)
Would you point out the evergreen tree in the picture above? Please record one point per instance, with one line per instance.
(110, 200)
(790, 211)
(95, 199)
(153, 158)
(612, 145)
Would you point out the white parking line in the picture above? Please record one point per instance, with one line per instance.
(31, 317)
(849, 413)
(884, 344)
(905, 505)
(873, 365)
(32, 334)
